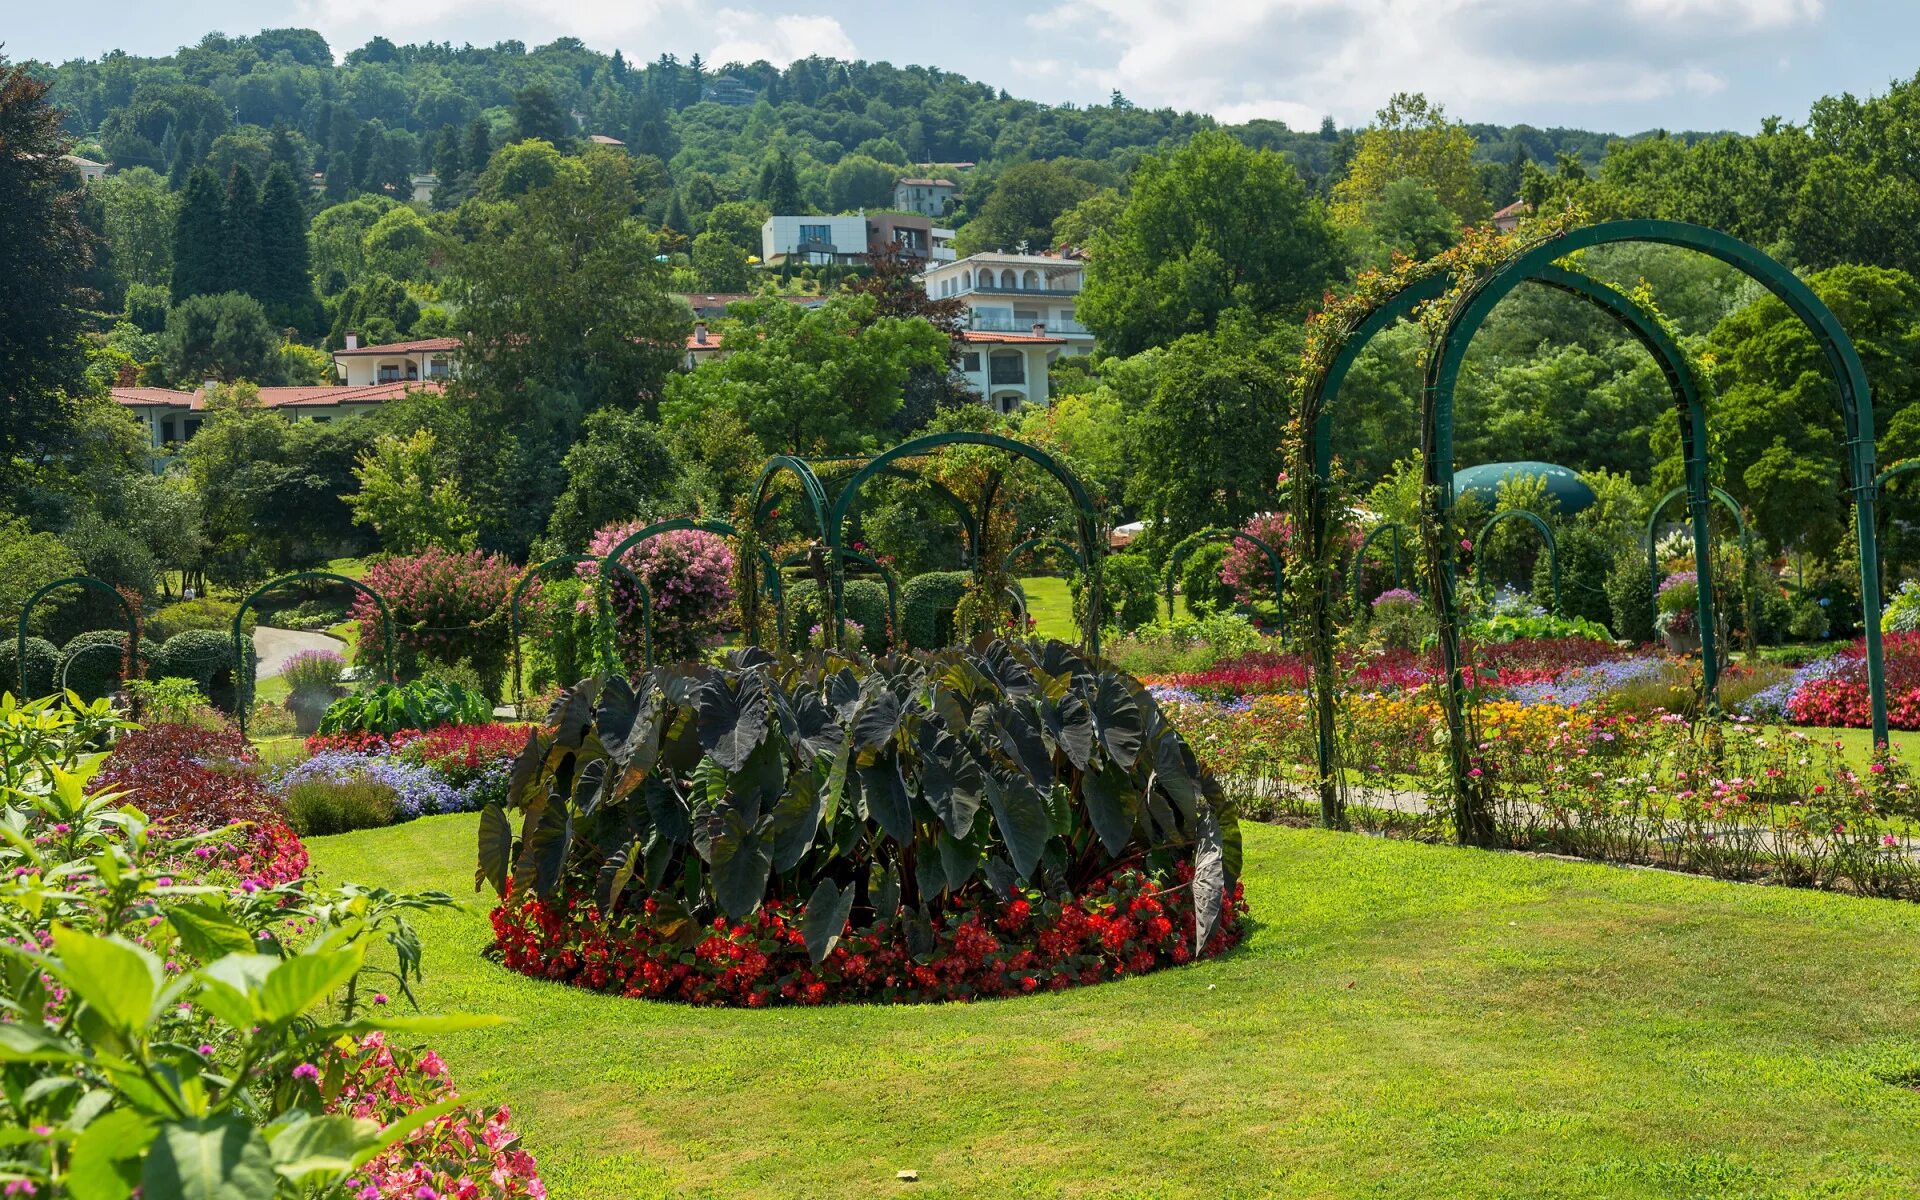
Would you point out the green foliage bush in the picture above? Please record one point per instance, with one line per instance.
(420, 704)
(1630, 596)
(205, 656)
(316, 807)
(1200, 581)
(864, 600)
(91, 663)
(1586, 556)
(1508, 627)
(926, 608)
(1186, 644)
(202, 612)
(43, 665)
(865, 793)
(1130, 592)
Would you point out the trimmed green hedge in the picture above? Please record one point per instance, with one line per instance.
(926, 607)
(43, 666)
(91, 671)
(865, 600)
(204, 656)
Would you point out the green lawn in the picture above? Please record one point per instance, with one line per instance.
(1406, 1020)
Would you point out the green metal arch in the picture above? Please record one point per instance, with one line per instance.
(1700, 548)
(1903, 467)
(1044, 542)
(602, 621)
(1546, 533)
(1086, 520)
(718, 528)
(969, 520)
(893, 589)
(810, 488)
(1185, 547)
(20, 641)
(243, 676)
(1653, 524)
(1856, 400)
(1360, 558)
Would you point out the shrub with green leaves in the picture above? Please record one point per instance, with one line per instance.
(857, 790)
(43, 665)
(420, 704)
(1129, 592)
(317, 807)
(927, 606)
(202, 612)
(93, 662)
(205, 656)
(863, 600)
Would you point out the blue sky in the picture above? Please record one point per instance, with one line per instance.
(1618, 65)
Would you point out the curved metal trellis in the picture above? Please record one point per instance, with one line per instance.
(1184, 548)
(719, 528)
(243, 649)
(1360, 558)
(969, 520)
(26, 612)
(1546, 533)
(603, 624)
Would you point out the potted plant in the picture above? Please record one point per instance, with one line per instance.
(1677, 619)
(313, 678)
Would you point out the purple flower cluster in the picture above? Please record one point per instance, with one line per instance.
(1770, 703)
(417, 791)
(1396, 596)
(1583, 684)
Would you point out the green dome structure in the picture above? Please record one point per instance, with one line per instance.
(1563, 484)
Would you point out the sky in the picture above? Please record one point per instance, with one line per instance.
(1615, 65)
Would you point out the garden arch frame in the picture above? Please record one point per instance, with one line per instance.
(243, 659)
(1185, 547)
(1318, 401)
(1086, 519)
(969, 520)
(26, 612)
(1746, 549)
(720, 529)
(602, 626)
(1546, 534)
(887, 577)
(1443, 372)
(1360, 559)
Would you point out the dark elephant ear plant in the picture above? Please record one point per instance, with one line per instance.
(945, 824)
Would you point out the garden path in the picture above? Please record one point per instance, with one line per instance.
(273, 647)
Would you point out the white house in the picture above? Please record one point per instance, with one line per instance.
(89, 169)
(396, 362)
(840, 239)
(1015, 293)
(172, 416)
(423, 188)
(1009, 369)
(928, 197)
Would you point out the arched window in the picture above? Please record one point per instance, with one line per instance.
(1030, 280)
(967, 278)
(1006, 278)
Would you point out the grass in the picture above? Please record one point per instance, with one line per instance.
(1407, 1020)
(1050, 604)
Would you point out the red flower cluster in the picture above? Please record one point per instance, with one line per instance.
(361, 741)
(1123, 925)
(458, 753)
(188, 780)
(1841, 699)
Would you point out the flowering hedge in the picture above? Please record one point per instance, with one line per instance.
(689, 573)
(985, 947)
(189, 779)
(447, 769)
(447, 606)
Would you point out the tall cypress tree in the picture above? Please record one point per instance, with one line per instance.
(479, 145)
(364, 144)
(284, 151)
(285, 287)
(198, 262)
(779, 184)
(339, 177)
(240, 231)
(448, 162)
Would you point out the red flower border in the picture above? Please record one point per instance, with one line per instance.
(1124, 925)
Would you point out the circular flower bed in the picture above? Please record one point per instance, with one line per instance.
(949, 825)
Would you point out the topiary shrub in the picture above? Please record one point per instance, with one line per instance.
(1128, 589)
(1586, 557)
(1630, 597)
(1200, 581)
(864, 601)
(204, 656)
(926, 608)
(91, 664)
(940, 825)
(43, 666)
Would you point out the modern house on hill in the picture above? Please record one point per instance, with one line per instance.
(847, 240)
(928, 197)
(396, 362)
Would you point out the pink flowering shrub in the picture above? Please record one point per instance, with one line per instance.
(690, 576)
(445, 606)
(1246, 569)
(469, 1153)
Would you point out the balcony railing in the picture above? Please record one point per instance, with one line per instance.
(997, 290)
(993, 324)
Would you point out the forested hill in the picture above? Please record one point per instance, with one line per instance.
(409, 109)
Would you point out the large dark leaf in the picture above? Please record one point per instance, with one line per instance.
(757, 786)
(1174, 769)
(615, 874)
(1020, 739)
(959, 860)
(1008, 673)
(1058, 658)
(526, 765)
(879, 715)
(1209, 879)
(1000, 876)
(843, 693)
(743, 658)
(796, 819)
(887, 800)
(1069, 727)
(496, 849)
(631, 731)
(1117, 721)
(929, 870)
(731, 716)
(546, 848)
(590, 787)
(1021, 816)
(816, 729)
(571, 715)
(1112, 804)
(668, 811)
(886, 893)
(742, 858)
(949, 778)
(825, 919)
(614, 712)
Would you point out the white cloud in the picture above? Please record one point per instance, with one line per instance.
(1485, 59)
(746, 36)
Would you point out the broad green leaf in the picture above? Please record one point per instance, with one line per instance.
(958, 861)
(115, 977)
(307, 978)
(35, 1043)
(879, 715)
(742, 859)
(796, 819)
(887, 800)
(949, 778)
(496, 849)
(216, 1158)
(107, 1155)
(543, 854)
(731, 717)
(1021, 816)
(230, 987)
(207, 932)
(325, 1146)
(825, 919)
(1117, 721)
(614, 876)
(1209, 879)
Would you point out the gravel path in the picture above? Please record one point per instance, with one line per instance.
(273, 647)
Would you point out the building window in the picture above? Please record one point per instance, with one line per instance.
(389, 373)
(1031, 280)
(437, 368)
(1006, 278)
(1009, 403)
(967, 276)
(812, 233)
(1008, 366)
(970, 362)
